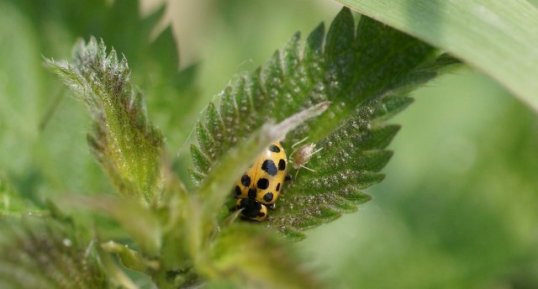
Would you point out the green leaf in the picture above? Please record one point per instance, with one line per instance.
(140, 222)
(349, 161)
(237, 159)
(34, 114)
(250, 258)
(123, 140)
(205, 205)
(365, 72)
(38, 254)
(121, 25)
(497, 37)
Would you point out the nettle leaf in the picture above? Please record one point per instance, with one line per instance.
(458, 26)
(210, 196)
(236, 160)
(39, 254)
(365, 72)
(250, 258)
(123, 140)
(349, 160)
(121, 24)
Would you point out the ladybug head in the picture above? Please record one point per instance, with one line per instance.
(252, 210)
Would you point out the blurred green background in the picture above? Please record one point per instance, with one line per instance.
(458, 208)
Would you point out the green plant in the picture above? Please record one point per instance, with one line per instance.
(337, 92)
(461, 27)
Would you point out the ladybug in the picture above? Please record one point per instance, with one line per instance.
(260, 186)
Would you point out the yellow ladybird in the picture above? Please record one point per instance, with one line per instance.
(260, 186)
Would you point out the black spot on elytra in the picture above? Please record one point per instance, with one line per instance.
(274, 148)
(281, 164)
(237, 190)
(270, 167)
(263, 183)
(268, 197)
(252, 193)
(278, 187)
(261, 214)
(245, 180)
